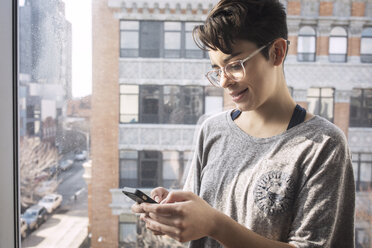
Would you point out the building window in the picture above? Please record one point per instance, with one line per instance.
(168, 104)
(362, 166)
(338, 45)
(213, 100)
(151, 39)
(171, 169)
(172, 39)
(362, 237)
(306, 46)
(321, 102)
(366, 46)
(129, 38)
(128, 169)
(361, 108)
(158, 39)
(128, 234)
(191, 49)
(149, 169)
(129, 103)
(150, 103)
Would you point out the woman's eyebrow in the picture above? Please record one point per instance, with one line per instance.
(228, 58)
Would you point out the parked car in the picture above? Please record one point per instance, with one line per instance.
(24, 228)
(81, 156)
(51, 202)
(35, 216)
(66, 164)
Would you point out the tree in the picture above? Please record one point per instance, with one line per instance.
(36, 159)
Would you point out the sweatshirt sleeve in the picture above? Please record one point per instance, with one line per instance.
(325, 205)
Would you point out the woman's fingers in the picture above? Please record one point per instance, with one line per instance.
(172, 209)
(159, 194)
(137, 208)
(155, 226)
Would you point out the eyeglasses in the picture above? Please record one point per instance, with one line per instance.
(234, 70)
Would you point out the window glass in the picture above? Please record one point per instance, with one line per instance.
(321, 102)
(171, 169)
(338, 45)
(129, 103)
(128, 232)
(361, 108)
(366, 45)
(151, 39)
(306, 44)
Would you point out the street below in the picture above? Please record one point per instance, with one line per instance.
(67, 226)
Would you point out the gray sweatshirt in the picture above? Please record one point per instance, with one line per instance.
(296, 187)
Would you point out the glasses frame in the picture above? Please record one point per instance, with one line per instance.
(241, 61)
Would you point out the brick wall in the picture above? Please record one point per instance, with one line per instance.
(325, 9)
(358, 8)
(353, 46)
(105, 119)
(341, 118)
(294, 8)
(322, 45)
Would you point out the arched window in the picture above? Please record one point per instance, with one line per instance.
(306, 45)
(338, 45)
(366, 46)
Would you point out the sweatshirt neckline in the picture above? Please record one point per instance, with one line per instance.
(244, 135)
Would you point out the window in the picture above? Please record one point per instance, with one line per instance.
(338, 45)
(158, 39)
(362, 166)
(149, 169)
(172, 167)
(167, 104)
(366, 46)
(361, 108)
(192, 50)
(129, 37)
(140, 169)
(321, 102)
(128, 234)
(128, 169)
(150, 39)
(362, 237)
(172, 39)
(306, 46)
(129, 103)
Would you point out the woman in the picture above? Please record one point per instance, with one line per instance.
(267, 174)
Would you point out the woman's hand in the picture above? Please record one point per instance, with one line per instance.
(182, 215)
(158, 194)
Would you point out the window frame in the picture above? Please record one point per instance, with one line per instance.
(358, 162)
(183, 52)
(300, 55)
(362, 120)
(365, 57)
(9, 190)
(320, 97)
(338, 57)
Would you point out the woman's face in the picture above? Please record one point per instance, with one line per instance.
(258, 83)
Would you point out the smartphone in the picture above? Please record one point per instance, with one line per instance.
(137, 195)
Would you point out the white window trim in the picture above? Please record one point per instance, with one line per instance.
(9, 214)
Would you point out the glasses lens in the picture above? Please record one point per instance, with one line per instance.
(214, 77)
(235, 70)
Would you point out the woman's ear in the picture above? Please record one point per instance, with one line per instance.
(278, 51)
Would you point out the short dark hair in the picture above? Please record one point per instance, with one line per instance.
(257, 21)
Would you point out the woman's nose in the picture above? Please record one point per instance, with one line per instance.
(225, 81)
